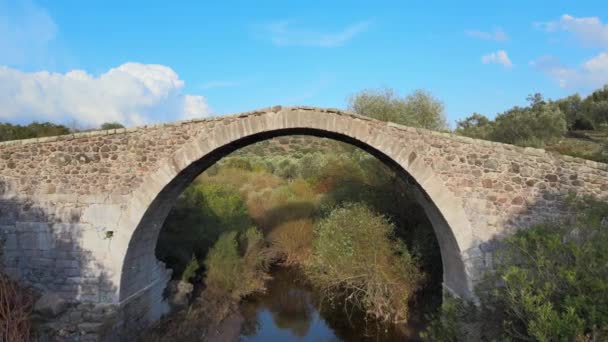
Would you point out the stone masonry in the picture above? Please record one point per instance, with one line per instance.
(80, 214)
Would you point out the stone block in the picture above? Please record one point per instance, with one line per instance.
(50, 305)
(67, 264)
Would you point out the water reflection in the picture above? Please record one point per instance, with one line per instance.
(290, 311)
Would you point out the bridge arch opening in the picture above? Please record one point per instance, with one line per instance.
(143, 278)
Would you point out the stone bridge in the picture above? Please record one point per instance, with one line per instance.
(80, 214)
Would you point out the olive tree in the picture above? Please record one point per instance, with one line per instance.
(418, 109)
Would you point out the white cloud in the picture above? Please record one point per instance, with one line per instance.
(591, 74)
(131, 93)
(497, 35)
(26, 31)
(283, 33)
(195, 106)
(590, 31)
(499, 57)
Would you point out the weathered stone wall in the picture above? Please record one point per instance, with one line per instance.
(81, 213)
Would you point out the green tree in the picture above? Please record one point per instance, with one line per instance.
(418, 109)
(111, 125)
(576, 117)
(536, 125)
(475, 126)
(33, 130)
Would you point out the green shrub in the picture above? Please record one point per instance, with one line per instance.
(202, 213)
(450, 323)
(191, 268)
(240, 163)
(554, 277)
(237, 269)
(223, 264)
(355, 259)
(287, 169)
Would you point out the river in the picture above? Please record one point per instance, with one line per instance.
(291, 311)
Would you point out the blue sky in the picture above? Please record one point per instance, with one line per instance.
(146, 61)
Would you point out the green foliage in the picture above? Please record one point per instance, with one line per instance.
(538, 124)
(418, 109)
(191, 268)
(33, 130)
(355, 259)
(202, 213)
(237, 163)
(554, 278)
(233, 272)
(223, 264)
(544, 124)
(576, 117)
(596, 106)
(475, 126)
(111, 125)
(549, 284)
(535, 125)
(450, 323)
(287, 169)
(285, 205)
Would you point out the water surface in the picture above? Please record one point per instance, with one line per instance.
(291, 311)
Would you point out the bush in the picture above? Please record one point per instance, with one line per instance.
(287, 169)
(356, 259)
(191, 268)
(450, 323)
(549, 285)
(237, 269)
(16, 306)
(293, 240)
(202, 213)
(223, 264)
(15, 311)
(554, 278)
(237, 163)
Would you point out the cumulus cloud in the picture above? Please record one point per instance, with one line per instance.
(284, 33)
(26, 31)
(590, 31)
(497, 35)
(499, 57)
(591, 74)
(131, 93)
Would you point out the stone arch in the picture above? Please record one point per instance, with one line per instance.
(143, 278)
